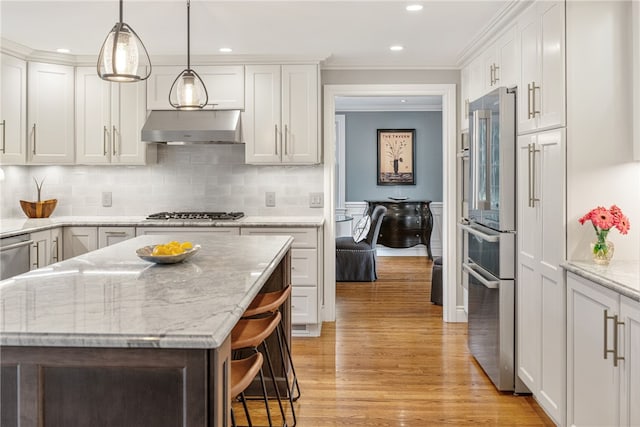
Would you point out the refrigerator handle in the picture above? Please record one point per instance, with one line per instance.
(473, 164)
(491, 284)
(484, 236)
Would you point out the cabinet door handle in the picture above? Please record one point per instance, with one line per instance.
(113, 140)
(606, 335)
(37, 263)
(532, 175)
(616, 353)
(529, 90)
(496, 79)
(491, 75)
(275, 139)
(116, 233)
(34, 139)
(286, 140)
(56, 250)
(4, 126)
(104, 141)
(533, 99)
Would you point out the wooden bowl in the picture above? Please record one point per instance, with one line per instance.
(38, 209)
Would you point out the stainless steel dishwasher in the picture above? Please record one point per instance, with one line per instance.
(15, 255)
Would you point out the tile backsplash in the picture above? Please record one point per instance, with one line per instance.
(192, 177)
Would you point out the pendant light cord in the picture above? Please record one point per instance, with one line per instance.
(188, 34)
(121, 11)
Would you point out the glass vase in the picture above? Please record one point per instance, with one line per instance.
(602, 251)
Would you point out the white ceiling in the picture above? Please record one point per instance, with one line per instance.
(346, 34)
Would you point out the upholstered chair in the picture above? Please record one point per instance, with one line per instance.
(356, 262)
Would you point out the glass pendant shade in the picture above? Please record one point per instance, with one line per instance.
(123, 57)
(188, 91)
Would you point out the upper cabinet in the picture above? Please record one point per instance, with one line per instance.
(13, 111)
(50, 113)
(224, 83)
(109, 118)
(541, 101)
(280, 124)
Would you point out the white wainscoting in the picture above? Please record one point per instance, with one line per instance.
(358, 209)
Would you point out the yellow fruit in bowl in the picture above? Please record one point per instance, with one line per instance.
(186, 246)
(171, 248)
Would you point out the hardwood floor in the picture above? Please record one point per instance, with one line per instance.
(389, 360)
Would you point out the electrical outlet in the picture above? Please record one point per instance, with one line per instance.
(316, 200)
(106, 199)
(270, 199)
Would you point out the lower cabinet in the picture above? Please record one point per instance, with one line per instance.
(79, 240)
(46, 247)
(306, 275)
(603, 356)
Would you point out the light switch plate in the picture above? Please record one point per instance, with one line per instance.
(316, 200)
(270, 199)
(106, 199)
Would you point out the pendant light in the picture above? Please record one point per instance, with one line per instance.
(188, 91)
(123, 58)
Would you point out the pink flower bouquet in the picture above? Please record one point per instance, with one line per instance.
(603, 220)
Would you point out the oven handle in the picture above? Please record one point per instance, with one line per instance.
(484, 236)
(491, 284)
(16, 245)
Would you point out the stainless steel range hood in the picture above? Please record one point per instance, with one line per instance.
(193, 127)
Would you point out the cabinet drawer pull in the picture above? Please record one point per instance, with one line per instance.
(116, 233)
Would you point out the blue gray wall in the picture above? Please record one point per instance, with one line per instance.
(361, 155)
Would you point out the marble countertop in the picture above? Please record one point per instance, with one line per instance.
(15, 226)
(112, 298)
(620, 276)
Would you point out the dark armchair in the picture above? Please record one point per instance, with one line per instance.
(356, 262)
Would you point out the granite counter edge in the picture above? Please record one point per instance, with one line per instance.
(602, 281)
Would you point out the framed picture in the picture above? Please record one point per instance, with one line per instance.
(396, 156)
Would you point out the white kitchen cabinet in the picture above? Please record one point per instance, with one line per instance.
(505, 61)
(224, 83)
(230, 231)
(46, 247)
(540, 285)
(603, 355)
(541, 100)
(475, 80)
(50, 113)
(464, 98)
(79, 240)
(280, 123)
(630, 367)
(108, 236)
(109, 118)
(306, 274)
(13, 111)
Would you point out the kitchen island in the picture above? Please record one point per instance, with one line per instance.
(109, 339)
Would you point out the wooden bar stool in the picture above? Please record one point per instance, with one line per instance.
(243, 371)
(252, 333)
(270, 302)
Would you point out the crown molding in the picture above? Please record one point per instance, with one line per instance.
(378, 67)
(492, 30)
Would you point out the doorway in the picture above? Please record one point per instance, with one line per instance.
(452, 310)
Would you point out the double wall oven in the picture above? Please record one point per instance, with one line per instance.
(490, 237)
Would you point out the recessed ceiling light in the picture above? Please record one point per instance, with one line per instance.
(396, 48)
(62, 50)
(414, 7)
(225, 49)
(403, 100)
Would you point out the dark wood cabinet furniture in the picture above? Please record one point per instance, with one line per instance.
(406, 223)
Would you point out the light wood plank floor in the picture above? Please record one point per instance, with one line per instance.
(389, 360)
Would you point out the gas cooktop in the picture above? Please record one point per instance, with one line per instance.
(204, 216)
